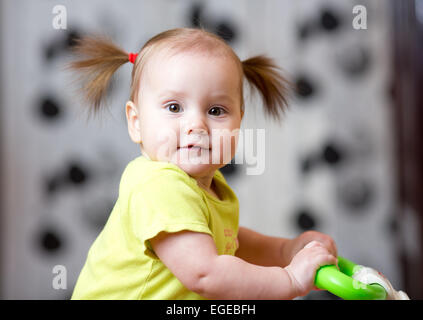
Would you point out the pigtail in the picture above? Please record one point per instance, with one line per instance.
(264, 74)
(100, 58)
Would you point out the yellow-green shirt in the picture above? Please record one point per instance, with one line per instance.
(154, 196)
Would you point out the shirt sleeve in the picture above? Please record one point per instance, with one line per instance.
(168, 201)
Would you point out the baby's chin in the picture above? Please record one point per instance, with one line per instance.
(195, 166)
(197, 170)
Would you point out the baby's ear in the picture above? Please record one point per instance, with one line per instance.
(132, 117)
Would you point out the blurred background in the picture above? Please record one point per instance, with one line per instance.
(345, 160)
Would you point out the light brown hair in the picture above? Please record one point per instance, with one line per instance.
(100, 58)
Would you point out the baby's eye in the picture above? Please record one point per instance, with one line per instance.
(173, 107)
(217, 111)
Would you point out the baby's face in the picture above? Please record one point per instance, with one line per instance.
(190, 111)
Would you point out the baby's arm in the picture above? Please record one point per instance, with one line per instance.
(260, 249)
(192, 257)
(263, 250)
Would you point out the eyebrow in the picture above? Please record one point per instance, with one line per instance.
(170, 92)
(223, 96)
(214, 96)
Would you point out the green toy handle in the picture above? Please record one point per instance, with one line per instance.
(340, 282)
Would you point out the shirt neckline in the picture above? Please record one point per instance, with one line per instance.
(216, 180)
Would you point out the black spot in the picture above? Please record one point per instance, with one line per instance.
(392, 91)
(328, 20)
(77, 174)
(308, 163)
(226, 31)
(59, 44)
(195, 15)
(71, 39)
(304, 31)
(355, 61)
(223, 28)
(393, 225)
(304, 87)
(50, 241)
(53, 49)
(229, 170)
(305, 220)
(331, 154)
(356, 195)
(49, 108)
(50, 52)
(52, 184)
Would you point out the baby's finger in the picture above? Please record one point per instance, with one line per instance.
(330, 245)
(320, 251)
(327, 259)
(332, 248)
(312, 244)
(322, 258)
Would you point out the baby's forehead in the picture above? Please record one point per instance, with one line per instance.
(164, 57)
(164, 62)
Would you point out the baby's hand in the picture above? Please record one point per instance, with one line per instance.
(303, 267)
(293, 246)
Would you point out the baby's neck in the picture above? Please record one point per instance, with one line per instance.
(145, 155)
(208, 185)
(205, 183)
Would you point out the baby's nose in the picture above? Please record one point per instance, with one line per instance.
(197, 131)
(195, 126)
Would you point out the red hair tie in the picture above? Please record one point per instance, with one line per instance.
(132, 57)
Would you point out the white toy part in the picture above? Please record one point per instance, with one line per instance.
(368, 275)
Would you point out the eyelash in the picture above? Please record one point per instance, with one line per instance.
(223, 111)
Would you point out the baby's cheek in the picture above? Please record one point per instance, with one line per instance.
(165, 143)
(224, 146)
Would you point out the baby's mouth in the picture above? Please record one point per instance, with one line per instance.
(193, 147)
